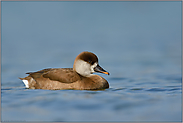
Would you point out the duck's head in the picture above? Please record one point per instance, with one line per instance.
(86, 63)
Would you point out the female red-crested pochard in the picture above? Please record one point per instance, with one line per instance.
(80, 77)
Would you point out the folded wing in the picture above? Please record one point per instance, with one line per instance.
(64, 75)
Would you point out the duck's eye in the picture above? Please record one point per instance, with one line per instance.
(91, 62)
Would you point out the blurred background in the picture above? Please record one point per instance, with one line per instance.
(137, 42)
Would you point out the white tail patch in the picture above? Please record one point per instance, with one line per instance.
(26, 83)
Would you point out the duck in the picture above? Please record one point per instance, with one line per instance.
(80, 77)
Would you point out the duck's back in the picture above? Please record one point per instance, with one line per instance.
(51, 78)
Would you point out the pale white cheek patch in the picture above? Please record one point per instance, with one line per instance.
(82, 67)
(26, 83)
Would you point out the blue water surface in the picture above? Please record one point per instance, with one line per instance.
(139, 43)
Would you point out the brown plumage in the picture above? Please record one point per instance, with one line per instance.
(79, 77)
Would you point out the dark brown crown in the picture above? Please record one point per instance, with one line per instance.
(88, 57)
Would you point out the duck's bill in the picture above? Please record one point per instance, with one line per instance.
(100, 70)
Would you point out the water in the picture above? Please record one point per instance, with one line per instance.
(139, 43)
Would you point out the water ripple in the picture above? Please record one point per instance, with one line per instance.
(117, 78)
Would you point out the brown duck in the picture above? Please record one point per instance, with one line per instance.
(80, 77)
